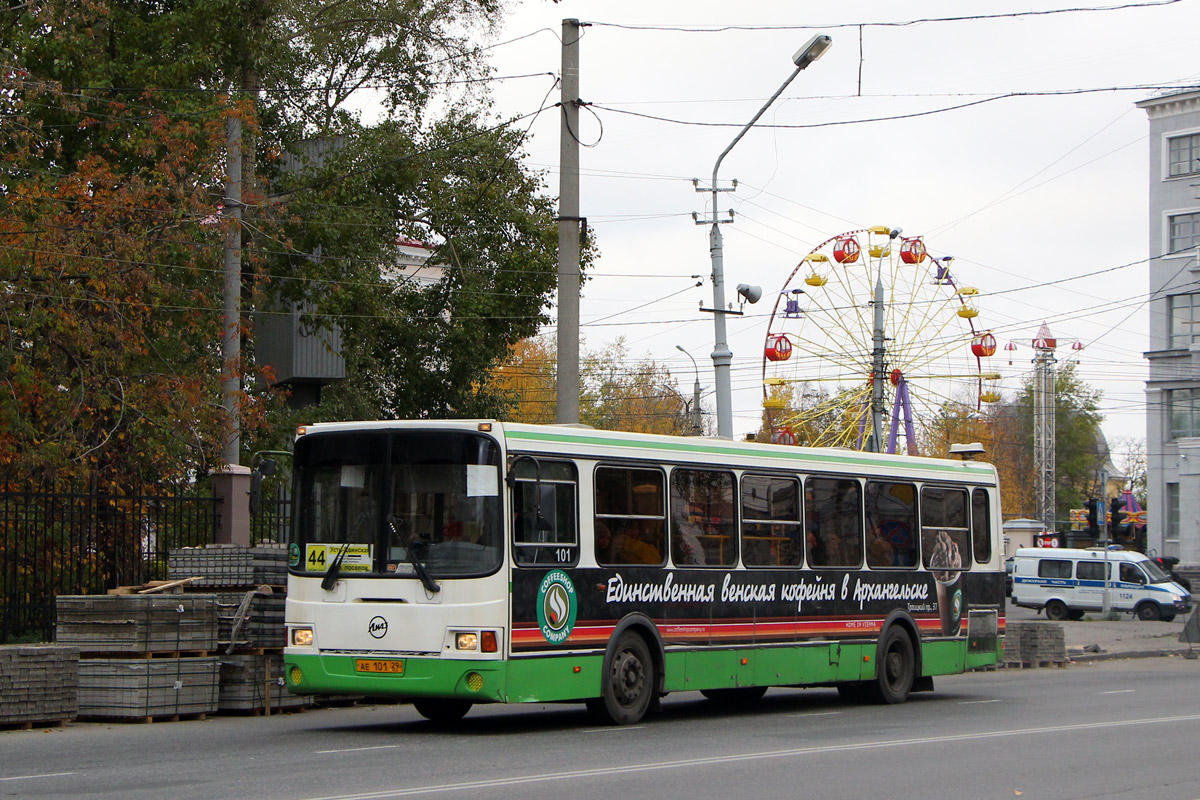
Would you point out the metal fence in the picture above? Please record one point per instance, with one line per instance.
(54, 543)
(274, 516)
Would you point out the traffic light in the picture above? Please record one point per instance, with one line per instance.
(1116, 516)
(1093, 526)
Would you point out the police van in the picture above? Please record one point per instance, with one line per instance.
(1069, 582)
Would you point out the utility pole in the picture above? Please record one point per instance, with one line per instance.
(569, 222)
(231, 343)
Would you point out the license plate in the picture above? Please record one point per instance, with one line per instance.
(378, 665)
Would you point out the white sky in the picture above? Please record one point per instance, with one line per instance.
(1022, 191)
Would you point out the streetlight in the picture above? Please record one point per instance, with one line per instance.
(722, 356)
(697, 428)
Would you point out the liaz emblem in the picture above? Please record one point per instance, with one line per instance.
(556, 606)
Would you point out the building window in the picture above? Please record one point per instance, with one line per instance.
(1183, 155)
(1172, 532)
(1185, 232)
(1183, 313)
(1184, 405)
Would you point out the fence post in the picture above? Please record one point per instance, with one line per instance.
(231, 485)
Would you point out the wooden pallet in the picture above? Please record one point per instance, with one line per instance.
(145, 720)
(28, 724)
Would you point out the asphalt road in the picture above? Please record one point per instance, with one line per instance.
(1118, 729)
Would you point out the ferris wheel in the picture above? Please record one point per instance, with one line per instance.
(871, 338)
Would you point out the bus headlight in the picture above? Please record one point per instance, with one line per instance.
(302, 637)
(466, 641)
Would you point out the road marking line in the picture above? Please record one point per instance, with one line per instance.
(33, 777)
(1119, 691)
(359, 749)
(815, 714)
(977, 702)
(691, 763)
(614, 729)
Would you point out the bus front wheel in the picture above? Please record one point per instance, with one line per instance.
(896, 669)
(441, 710)
(628, 685)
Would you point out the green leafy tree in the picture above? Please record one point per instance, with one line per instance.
(1077, 454)
(116, 110)
(616, 393)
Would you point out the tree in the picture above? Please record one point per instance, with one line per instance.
(526, 380)
(616, 392)
(129, 152)
(621, 395)
(1077, 455)
(1130, 458)
(1005, 448)
(111, 353)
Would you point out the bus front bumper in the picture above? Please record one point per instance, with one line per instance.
(474, 680)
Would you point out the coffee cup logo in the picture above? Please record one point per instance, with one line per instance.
(556, 606)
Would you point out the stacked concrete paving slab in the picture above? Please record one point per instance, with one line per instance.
(1035, 644)
(143, 657)
(249, 590)
(39, 684)
(148, 688)
(256, 625)
(231, 565)
(253, 683)
(139, 623)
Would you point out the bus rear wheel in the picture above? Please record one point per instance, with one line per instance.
(741, 695)
(896, 669)
(629, 684)
(442, 711)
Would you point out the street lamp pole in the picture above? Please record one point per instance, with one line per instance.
(697, 427)
(722, 356)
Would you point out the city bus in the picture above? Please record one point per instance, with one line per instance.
(450, 563)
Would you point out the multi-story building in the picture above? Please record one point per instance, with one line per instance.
(1173, 388)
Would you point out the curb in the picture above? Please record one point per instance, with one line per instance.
(1105, 656)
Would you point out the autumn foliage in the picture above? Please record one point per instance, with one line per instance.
(110, 280)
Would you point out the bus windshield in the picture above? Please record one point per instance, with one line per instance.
(379, 501)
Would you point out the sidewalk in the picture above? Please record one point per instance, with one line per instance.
(1093, 639)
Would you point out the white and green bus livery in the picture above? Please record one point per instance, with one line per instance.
(459, 562)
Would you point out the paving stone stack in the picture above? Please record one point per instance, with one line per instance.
(137, 624)
(39, 684)
(248, 585)
(253, 683)
(145, 689)
(143, 657)
(252, 619)
(231, 565)
(1035, 644)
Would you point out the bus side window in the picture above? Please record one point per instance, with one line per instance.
(891, 524)
(772, 535)
(945, 538)
(631, 515)
(833, 522)
(545, 515)
(703, 527)
(981, 526)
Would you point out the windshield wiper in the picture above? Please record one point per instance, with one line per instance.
(416, 555)
(335, 568)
